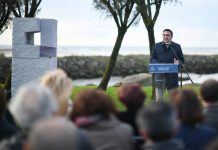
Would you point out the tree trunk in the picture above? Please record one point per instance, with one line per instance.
(110, 66)
(151, 37)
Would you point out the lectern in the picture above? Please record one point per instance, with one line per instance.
(162, 69)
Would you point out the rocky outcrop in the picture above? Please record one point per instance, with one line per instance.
(144, 79)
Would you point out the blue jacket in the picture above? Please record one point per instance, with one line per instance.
(196, 138)
(162, 54)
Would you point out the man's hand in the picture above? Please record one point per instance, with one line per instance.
(176, 61)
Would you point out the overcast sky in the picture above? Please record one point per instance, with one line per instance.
(194, 22)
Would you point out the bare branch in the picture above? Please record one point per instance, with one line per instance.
(26, 4)
(119, 11)
(26, 8)
(5, 14)
(158, 6)
(133, 20)
(113, 13)
(149, 9)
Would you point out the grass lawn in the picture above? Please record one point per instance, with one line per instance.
(112, 91)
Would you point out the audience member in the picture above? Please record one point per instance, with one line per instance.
(6, 129)
(158, 125)
(31, 104)
(56, 134)
(189, 108)
(213, 145)
(133, 97)
(61, 86)
(209, 94)
(94, 111)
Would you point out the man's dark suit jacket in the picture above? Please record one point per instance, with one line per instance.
(162, 54)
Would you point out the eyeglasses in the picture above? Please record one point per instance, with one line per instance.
(166, 35)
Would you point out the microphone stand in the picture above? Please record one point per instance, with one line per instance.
(183, 66)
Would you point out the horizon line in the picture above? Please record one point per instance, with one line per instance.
(107, 46)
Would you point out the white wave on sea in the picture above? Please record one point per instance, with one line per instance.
(106, 51)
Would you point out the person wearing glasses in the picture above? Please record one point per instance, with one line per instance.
(164, 52)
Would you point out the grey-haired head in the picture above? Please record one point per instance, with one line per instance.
(32, 103)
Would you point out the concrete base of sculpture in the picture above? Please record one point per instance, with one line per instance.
(27, 69)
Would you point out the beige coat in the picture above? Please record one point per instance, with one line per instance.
(110, 134)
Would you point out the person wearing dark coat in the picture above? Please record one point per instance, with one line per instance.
(6, 129)
(209, 93)
(164, 52)
(191, 132)
(158, 124)
(133, 97)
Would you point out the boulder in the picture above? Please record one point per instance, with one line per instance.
(144, 79)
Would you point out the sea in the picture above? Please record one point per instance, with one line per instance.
(106, 51)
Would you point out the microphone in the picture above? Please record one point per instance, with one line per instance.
(177, 58)
(180, 63)
(167, 45)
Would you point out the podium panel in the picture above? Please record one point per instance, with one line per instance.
(163, 68)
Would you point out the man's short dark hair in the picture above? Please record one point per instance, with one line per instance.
(168, 30)
(209, 91)
(158, 121)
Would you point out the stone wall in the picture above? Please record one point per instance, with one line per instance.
(202, 64)
(94, 66)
